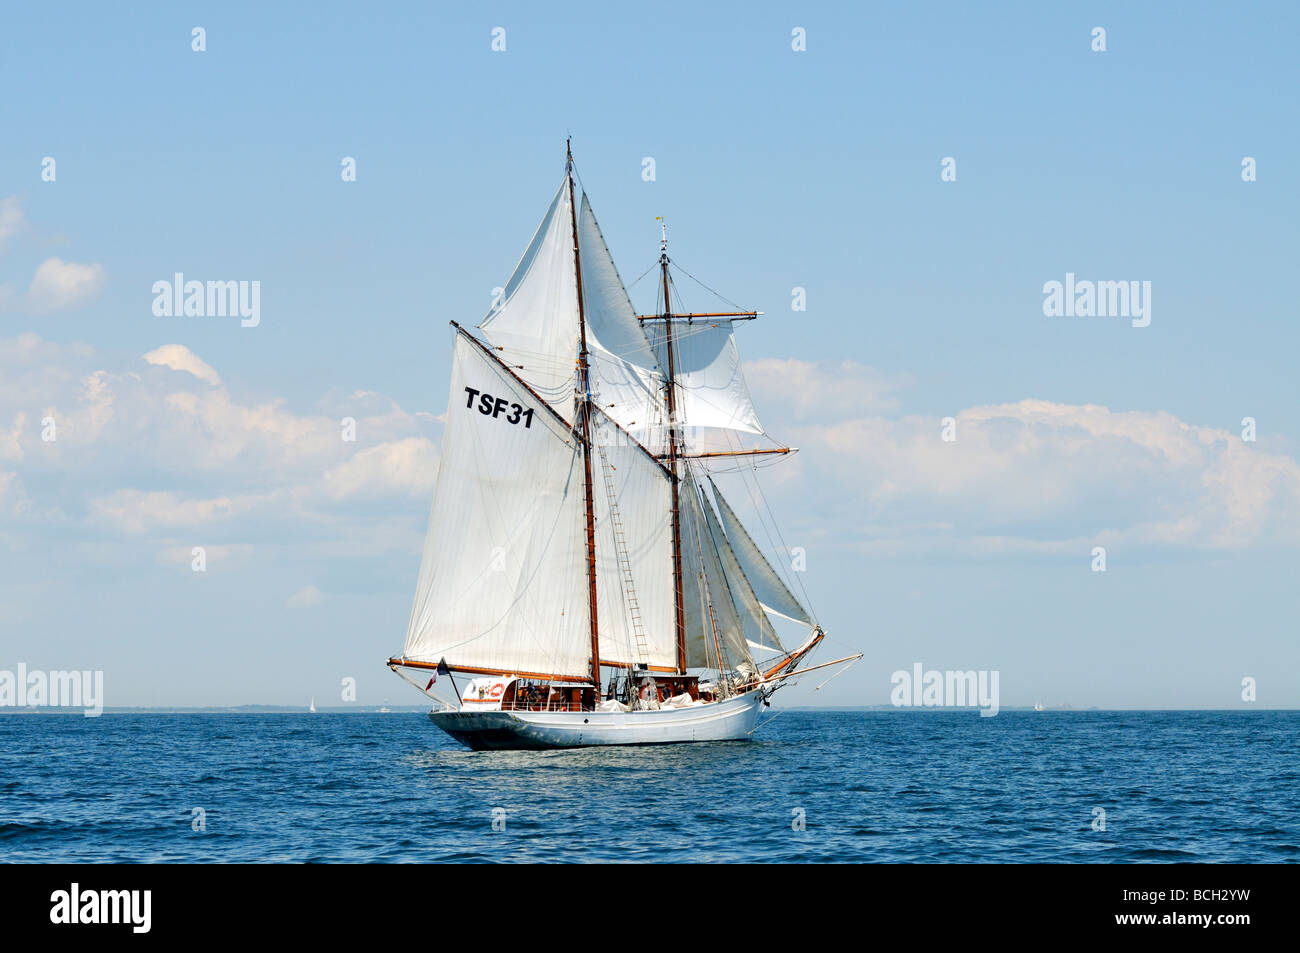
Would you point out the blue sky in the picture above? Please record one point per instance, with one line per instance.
(776, 169)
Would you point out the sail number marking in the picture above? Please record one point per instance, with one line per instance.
(490, 406)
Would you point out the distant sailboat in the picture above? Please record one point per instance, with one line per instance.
(576, 531)
(1038, 706)
(311, 709)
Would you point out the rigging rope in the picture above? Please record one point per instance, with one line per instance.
(716, 294)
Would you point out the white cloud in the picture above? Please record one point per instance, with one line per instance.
(161, 450)
(10, 444)
(11, 218)
(304, 598)
(59, 285)
(402, 466)
(137, 512)
(1033, 475)
(806, 387)
(12, 496)
(180, 358)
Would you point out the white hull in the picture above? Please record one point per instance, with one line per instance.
(730, 720)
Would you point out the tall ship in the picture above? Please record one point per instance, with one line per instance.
(584, 581)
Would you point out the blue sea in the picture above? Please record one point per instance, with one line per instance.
(862, 785)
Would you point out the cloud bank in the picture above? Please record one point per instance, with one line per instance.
(157, 450)
(1034, 475)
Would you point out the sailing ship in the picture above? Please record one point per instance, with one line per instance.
(311, 709)
(582, 573)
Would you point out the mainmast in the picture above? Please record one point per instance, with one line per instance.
(670, 399)
(584, 418)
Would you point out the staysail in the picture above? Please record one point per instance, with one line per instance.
(767, 585)
(713, 625)
(757, 627)
(502, 583)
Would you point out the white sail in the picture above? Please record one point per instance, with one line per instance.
(634, 567)
(759, 631)
(709, 608)
(503, 580)
(536, 324)
(713, 403)
(625, 379)
(771, 591)
(700, 649)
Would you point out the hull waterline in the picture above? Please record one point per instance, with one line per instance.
(731, 720)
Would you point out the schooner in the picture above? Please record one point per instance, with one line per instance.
(582, 573)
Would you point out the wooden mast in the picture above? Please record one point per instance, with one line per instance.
(671, 401)
(584, 417)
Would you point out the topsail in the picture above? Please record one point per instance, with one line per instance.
(536, 329)
(714, 407)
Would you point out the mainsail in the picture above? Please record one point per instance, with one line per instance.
(568, 506)
(502, 582)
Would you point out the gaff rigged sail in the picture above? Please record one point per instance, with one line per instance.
(502, 581)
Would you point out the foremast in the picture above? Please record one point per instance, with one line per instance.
(583, 417)
(670, 403)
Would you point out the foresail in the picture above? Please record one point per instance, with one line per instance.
(771, 591)
(636, 607)
(503, 582)
(535, 324)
